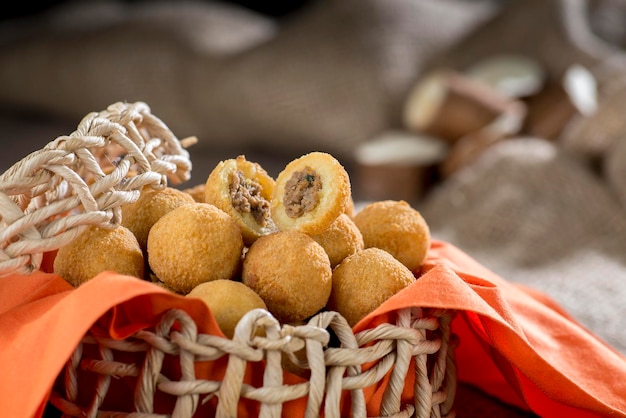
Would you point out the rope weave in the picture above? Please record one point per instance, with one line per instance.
(420, 336)
(82, 179)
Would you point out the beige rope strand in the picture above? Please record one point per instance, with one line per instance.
(340, 368)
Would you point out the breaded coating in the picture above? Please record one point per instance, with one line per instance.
(396, 227)
(310, 193)
(363, 281)
(243, 189)
(291, 272)
(193, 244)
(152, 204)
(196, 192)
(351, 207)
(341, 239)
(96, 250)
(228, 301)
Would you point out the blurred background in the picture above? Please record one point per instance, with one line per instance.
(29, 125)
(500, 120)
(275, 81)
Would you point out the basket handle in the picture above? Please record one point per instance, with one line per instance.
(50, 196)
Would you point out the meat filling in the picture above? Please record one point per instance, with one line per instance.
(302, 192)
(246, 196)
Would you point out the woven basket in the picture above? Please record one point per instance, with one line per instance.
(49, 197)
(82, 179)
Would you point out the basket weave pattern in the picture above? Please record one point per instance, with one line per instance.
(50, 196)
(419, 336)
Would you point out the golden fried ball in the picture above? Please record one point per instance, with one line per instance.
(363, 281)
(396, 227)
(152, 204)
(99, 249)
(154, 279)
(341, 239)
(193, 244)
(196, 192)
(243, 189)
(291, 272)
(228, 301)
(296, 363)
(310, 193)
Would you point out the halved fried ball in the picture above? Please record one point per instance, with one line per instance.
(310, 193)
(193, 244)
(99, 249)
(228, 301)
(152, 204)
(363, 281)
(397, 228)
(291, 272)
(243, 189)
(341, 239)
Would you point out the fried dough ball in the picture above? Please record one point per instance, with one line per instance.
(243, 189)
(363, 281)
(341, 239)
(154, 279)
(99, 249)
(310, 193)
(228, 301)
(193, 244)
(396, 227)
(196, 192)
(152, 204)
(291, 272)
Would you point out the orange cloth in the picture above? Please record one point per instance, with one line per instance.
(516, 344)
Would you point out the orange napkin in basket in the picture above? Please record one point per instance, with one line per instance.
(516, 344)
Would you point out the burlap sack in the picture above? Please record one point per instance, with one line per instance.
(327, 78)
(537, 215)
(614, 168)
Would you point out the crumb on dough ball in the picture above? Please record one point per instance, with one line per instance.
(228, 301)
(99, 249)
(243, 189)
(341, 239)
(363, 281)
(310, 193)
(291, 272)
(152, 204)
(192, 244)
(396, 227)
